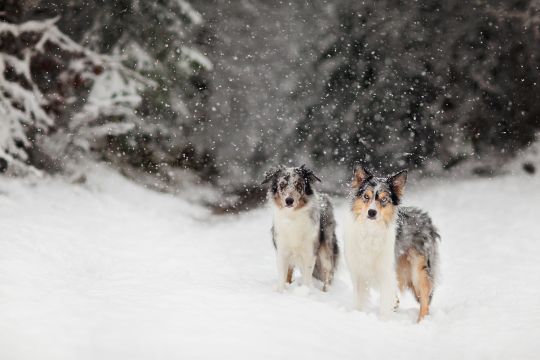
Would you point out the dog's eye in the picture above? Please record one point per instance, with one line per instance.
(384, 200)
(299, 186)
(282, 185)
(366, 196)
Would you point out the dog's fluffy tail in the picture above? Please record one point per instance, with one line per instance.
(328, 251)
(327, 260)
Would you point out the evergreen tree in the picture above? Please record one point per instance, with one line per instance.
(407, 81)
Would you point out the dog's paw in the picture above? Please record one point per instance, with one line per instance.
(422, 315)
(396, 304)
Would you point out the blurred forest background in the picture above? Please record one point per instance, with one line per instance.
(215, 91)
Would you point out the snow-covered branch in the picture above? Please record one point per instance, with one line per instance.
(23, 105)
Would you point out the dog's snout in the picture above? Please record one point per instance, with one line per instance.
(372, 213)
(289, 201)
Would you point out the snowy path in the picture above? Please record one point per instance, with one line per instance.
(113, 271)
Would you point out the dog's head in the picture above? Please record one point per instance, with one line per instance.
(374, 198)
(290, 187)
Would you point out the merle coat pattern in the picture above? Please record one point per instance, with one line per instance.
(303, 231)
(387, 245)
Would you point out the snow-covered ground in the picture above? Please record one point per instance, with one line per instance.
(109, 270)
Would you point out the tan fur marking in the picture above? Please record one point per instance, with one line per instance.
(359, 176)
(387, 212)
(412, 274)
(277, 200)
(421, 282)
(290, 275)
(300, 204)
(358, 207)
(403, 269)
(423, 287)
(384, 195)
(399, 181)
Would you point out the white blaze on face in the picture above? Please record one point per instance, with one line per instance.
(372, 202)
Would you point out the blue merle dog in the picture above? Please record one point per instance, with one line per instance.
(389, 246)
(303, 230)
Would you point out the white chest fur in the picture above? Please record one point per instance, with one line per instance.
(296, 233)
(296, 230)
(369, 248)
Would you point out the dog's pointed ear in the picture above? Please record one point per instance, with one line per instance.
(397, 183)
(360, 174)
(271, 174)
(309, 174)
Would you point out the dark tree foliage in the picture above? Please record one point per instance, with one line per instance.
(409, 81)
(239, 86)
(156, 39)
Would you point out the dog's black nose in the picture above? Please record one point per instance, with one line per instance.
(371, 213)
(289, 201)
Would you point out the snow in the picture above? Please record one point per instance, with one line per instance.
(114, 93)
(193, 15)
(112, 96)
(19, 107)
(110, 270)
(191, 55)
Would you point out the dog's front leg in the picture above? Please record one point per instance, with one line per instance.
(388, 293)
(360, 292)
(308, 264)
(282, 268)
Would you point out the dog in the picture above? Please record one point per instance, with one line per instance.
(388, 246)
(303, 230)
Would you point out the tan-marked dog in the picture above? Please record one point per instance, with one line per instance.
(303, 231)
(388, 246)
